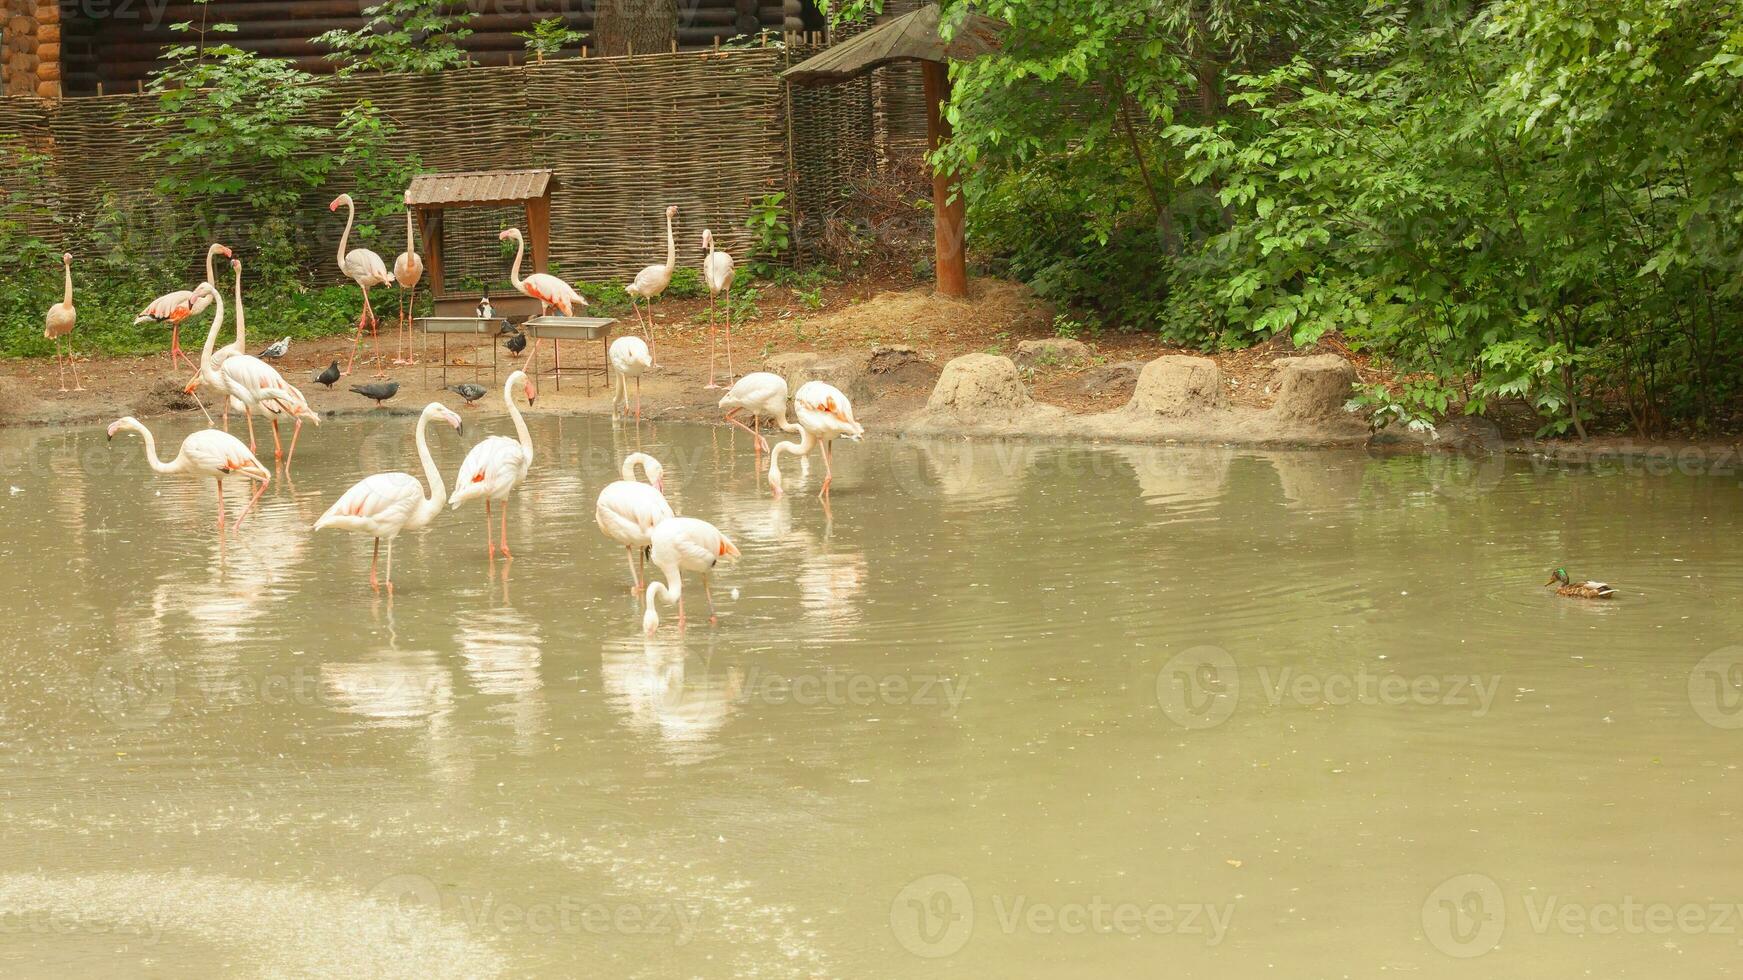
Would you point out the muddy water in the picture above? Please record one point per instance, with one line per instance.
(1007, 711)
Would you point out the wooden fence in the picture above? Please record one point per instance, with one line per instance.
(710, 131)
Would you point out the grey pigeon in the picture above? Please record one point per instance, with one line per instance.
(469, 391)
(516, 343)
(379, 390)
(330, 375)
(277, 350)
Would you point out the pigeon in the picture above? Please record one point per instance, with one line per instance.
(516, 343)
(507, 329)
(379, 390)
(469, 391)
(277, 350)
(330, 375)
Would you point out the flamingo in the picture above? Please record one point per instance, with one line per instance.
(407, 270)
(495, 466)
(682, 544)
(252, 384)
(628, 510)
(717, 272)
(206, 453)
(385, 504)
(181, 304)
(760, 393)
(653, 280)
(630, 358)
(237, 346)
(366, 269)
(825, 414)
(544, 287)
(59, 322)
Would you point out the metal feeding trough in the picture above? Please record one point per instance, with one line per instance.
(478, 327)
(557, 329)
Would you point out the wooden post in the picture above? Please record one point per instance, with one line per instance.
(430, 230)
(948, 217)
(539, 231)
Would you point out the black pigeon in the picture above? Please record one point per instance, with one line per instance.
(469, 391)
(379, 390)
(507, 329)
(330, 375)
(516, 343)
(277, 350)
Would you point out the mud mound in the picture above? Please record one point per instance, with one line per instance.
(1119, 378)
(1312, 389)
(903, 366)
(846, 372)
(1052, 352)
(978, 386)
(992, 305)
(161, 396)
(1177, 385)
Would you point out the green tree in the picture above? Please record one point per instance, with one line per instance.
(417, 36)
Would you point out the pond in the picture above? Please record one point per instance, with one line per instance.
(1003, 709)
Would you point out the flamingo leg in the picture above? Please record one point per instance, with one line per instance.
(634, 574)
(390, 566)
(828, 471)
(296, 430)
(489, 542)
(277, 447)
(374, 335)
(709, 595)
(729, 374)
(503, 537)
(761, 443)
(374, 557)
(58, 365)
(77, 384)
(251, 501)
(713, 341)
(638, 398)
(250, 413)
(220, 484)
(358, 340)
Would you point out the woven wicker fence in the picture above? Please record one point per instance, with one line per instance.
(711, 132)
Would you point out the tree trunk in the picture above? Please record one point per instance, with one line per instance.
(634, 26)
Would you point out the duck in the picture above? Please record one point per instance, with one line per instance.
(1578, 590)
(327, 377)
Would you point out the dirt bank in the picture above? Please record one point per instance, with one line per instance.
(895, 349)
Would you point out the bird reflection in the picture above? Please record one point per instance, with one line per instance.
(501, 648)
(661, 692)
(404, 690)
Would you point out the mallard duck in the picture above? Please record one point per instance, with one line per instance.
(1578, 590)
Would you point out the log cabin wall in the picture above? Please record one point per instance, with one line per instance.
(115, 43)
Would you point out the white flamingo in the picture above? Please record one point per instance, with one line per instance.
(630, 358)
(760, 393)
(385, 504)
(542, 286)
(495, 466)
(207, 453)
(678, 545)
(58, 322)
(717, 273)
(408, 269)
(254, 385)
(174, 307)
(825, 415)
(628, 510)
(653, 280)
(365, 268)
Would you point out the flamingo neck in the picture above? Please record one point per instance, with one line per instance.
(671, 245)
(671, 593)
(345, 236)
(211, 252)
(800, 448)
(785, 425)
(150, 442)
(208, 370)
(520, 250)
(438, 491)
(67, 297)
(241, 344)
(520, 424)
(408, 234)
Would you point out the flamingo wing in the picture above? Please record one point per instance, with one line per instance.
(490, 470)
(219, 454)
(365, 268)
(628, 511)
(408, 269)
(171, 307)
(717, 271)
(549, 289)
(762, 392)
(378, 505)
(629, 355)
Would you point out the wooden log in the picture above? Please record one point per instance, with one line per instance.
(48, 90)
(20, 25)
(48, 53)
(948, 216)
(50, 33)
(48, 71)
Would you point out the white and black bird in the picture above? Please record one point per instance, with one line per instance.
(275, 351)
(485, 310)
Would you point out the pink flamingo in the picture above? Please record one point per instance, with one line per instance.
(497, 465)
(760, 393)
(678, 545)
(385, 504)
(547, 289)
(253, 385)
(630, 358)
(59, 322)
(407, 270)
(207, 453)
(628, 510)
(181, 304)
(825, 415)
(717, 273)
(366, 269)
(653, 280)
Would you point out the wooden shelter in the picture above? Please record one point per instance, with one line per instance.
(916, 37)
(429, 195)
